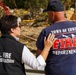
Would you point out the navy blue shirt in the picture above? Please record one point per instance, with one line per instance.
(62, 56)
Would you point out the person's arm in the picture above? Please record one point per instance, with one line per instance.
(29, 59)
(47, 45)
(38, 52)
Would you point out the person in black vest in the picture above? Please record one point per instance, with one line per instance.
(13, 54)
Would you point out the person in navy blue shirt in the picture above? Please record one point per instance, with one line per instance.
(62, 56)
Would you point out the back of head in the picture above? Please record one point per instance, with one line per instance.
(55, 6)
(55, 11)
(7, 22)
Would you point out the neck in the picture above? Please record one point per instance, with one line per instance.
(61, 20)
(14, 36)
(59, 17)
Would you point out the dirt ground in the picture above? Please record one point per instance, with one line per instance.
(29, 36)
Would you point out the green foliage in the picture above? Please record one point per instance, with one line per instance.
(26, 3)
(10, 3)
(35, 4)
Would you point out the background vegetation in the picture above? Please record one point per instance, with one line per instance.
(32, 20)
(35, 4)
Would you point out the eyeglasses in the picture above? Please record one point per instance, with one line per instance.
(19, 26)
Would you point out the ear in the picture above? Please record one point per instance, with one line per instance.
(12, 30)
(53, 13)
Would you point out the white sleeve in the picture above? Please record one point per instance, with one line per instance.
(29, 59)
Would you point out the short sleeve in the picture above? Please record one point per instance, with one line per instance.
(40, 40)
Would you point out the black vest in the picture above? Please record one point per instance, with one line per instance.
(11, 56)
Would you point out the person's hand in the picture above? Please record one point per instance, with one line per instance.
(49, 42)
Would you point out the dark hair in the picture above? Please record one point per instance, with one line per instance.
(7, 22)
